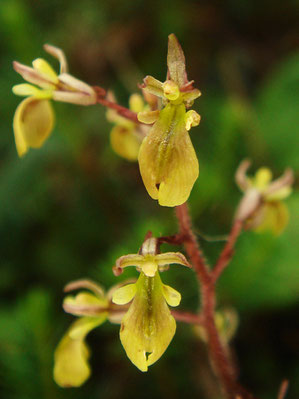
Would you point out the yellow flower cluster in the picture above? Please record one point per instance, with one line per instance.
(34, 117)
(167, 160)
(147, 327)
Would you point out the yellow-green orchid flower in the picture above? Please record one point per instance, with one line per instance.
(148, 260)
(261, 207)
(126, 136)
(148, 327)
(167, 160)
(34, 117)
(71, 367)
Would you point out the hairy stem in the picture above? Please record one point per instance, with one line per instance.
(192, 248)
(207, 279)
(228, 250)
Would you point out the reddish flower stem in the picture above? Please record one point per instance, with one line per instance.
(192, 248)
(122, 111)
(187, 317)
(207, 279)
(228, 250)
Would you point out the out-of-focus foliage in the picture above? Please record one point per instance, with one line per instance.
(71, 208)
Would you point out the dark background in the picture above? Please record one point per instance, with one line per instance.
(71, 208)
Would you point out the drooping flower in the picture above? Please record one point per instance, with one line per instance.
(126, 136)
(148, 327)
(262, 208)
(167, 160)
(71, 367)
(34, 117)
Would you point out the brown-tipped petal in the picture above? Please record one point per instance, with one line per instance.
(59, 54)
(87, 284)
(34, 76)
(176, 61)
(280, 188)
(169, 258)
(129, 260)
(240, 176)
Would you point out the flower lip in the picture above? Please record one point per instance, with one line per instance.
(148, 326)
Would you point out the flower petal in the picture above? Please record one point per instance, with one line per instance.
(32, 124)
(148, 327)
(153, 86)
(85, 304)
(71, 368)
(129, 260)
(240, 175)
(176, 61)
(280, 188)
(274, 218)
(59, 54)
(25, 89)
(167, 258)
(173, 297)
(167, 160)
(73, 97)
(262, 178)
(33, 76)
(125, 142)
(75, 84)
(148, 117)
(192, 118)
(86, 284)
(190, 96)
(136, 103)
(43, 67)
(124, 294)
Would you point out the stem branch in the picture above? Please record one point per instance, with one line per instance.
(207, 279)
(122, 111)
(228, 250)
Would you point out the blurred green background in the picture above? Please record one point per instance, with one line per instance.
(71, 208)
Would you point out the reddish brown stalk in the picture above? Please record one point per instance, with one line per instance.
(123, 111)
(207, 279)
(191, 245)
(187, 317)
(228, 250)
(283, 389)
